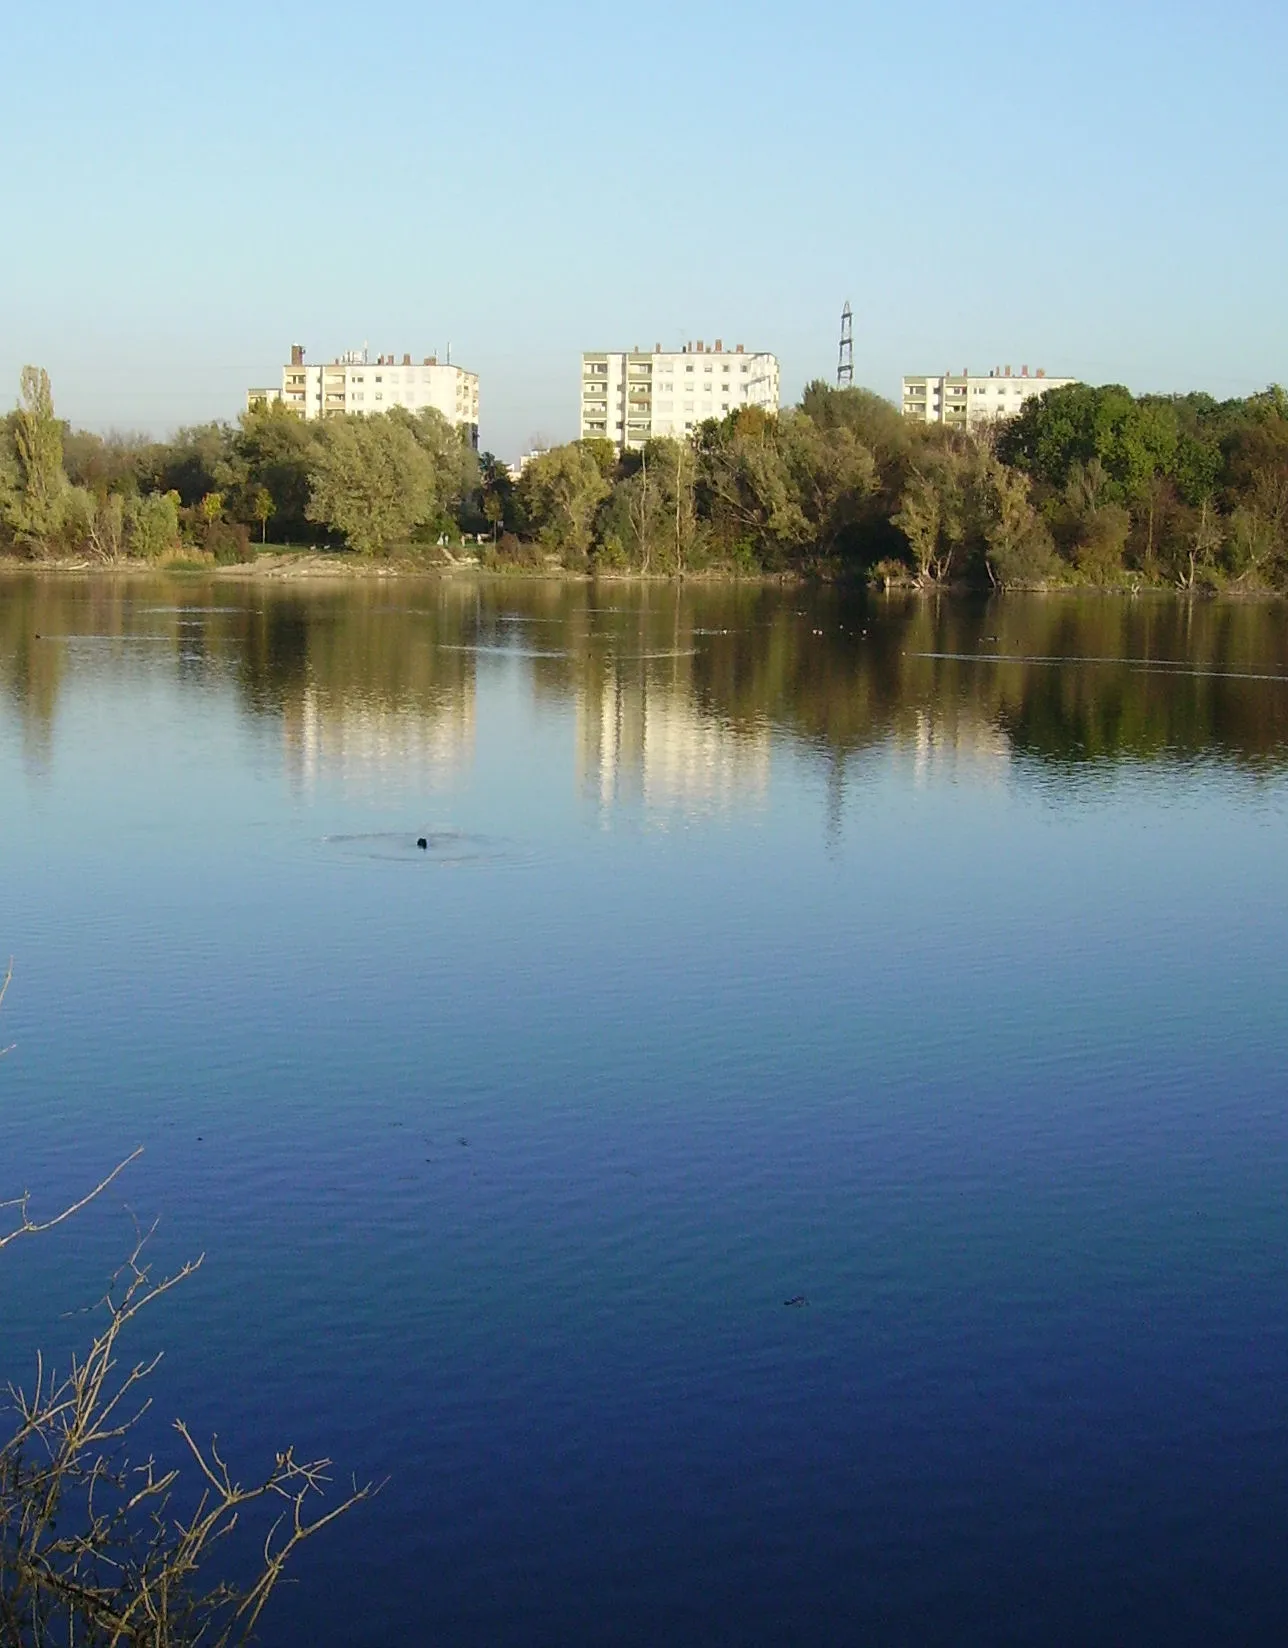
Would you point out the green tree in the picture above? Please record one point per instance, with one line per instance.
(1015, 543)
(871, 419)
(36, 500)
(834, 475)
(94, 523)
(262, 508)
(1203, 543)
(275, 448)
(372, 481)
(920, 519)
(104, 463)
(211, 508)
(196, 461)
(559, 493)
(497, 489)
(453, 463)
(651, 520)
(1080, 424)
(152, 524)
(937, 510)
(1101, 541)
(747, 490)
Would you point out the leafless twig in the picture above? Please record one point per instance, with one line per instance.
(96, 1551)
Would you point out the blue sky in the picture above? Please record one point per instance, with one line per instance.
(1095, 188)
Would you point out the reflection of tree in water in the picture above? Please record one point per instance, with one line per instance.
(365, 679)
(359, 666)
(953, 674)
(678, 690)
(33, 672)
(35, 613)
(1159, 679)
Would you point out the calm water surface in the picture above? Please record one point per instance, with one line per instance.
(928, 963)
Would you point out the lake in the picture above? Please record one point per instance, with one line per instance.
(923, 963)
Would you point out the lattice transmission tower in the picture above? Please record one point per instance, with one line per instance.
(845, 359)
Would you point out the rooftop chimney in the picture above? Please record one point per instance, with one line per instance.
(1024, 371)
(407, 361)
(1008, 371)
(297, 354)
(700, 347)
(719, 346)
(739, 349)
(657, 348)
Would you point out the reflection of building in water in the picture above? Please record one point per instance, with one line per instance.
(358, 739)
(941, 746)
(639, 739)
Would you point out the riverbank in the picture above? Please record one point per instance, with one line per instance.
(338, 566)
(316, 565)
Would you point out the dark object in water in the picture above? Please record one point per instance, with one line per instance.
(796, 1301)
(422, 843)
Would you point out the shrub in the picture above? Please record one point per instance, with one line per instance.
(152, 524)
(228, 542)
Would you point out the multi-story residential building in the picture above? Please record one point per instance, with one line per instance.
(354, 383)
(968, 400)
(517, 468)
(634, 396)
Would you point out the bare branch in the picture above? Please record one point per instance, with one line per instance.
(93, 1550)
(8, 975)
(27, 1226)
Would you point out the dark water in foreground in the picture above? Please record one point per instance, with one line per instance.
(927, 963)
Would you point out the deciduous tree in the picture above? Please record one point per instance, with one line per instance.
(372, 481)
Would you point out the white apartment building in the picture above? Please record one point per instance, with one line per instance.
(635, 396)
(969, 400)
(355, 383)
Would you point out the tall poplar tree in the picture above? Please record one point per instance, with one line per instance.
(38, 445)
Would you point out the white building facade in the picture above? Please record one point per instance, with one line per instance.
(972, 399)
(635, 396)
(354, 383)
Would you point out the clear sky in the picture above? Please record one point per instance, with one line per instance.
(1097, 188)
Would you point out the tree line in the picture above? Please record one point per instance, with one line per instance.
(366, 484)
(1087, 485)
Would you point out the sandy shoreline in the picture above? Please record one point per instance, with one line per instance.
(304, 566)
(318, 567)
